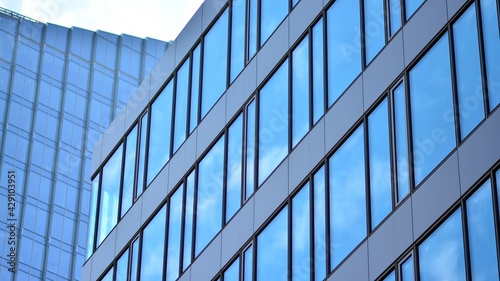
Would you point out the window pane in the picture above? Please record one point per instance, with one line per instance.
(209, 200)
(431, 109)
(395, 15)
(159, 133)
(110, 190)
(272, 13)
(273, 122)
(135, 260)
(142, 154)
(489, 19)
(92, 216)
(391, 276)
(237, 37)
(441, 255)
(374, 28)
(301, 239)
(109, 275)
(181, 105)
(468, 71)
(344, 49)
(129, 172)
(320, 249)
(195, 90)
(122, 267)
(250, 150)
(300, 91)
(272, 249)
(188, 222)
(347, 197)
(482, 239)
(401, 141)
(233, 272)
(174, 235)
(318, 71)
(153, 247)
(214, 64)
(252, 28)
(248, 264)
(407, 270)
(234, 167)
(380, 163)
(412, 6)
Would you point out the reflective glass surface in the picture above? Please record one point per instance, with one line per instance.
(468, 72)
(142, 154)
(300, 91)
(272, 13)
(129, 171)
(250, 150)
(252, 28)
(374, 28)
(195, 89)
(379, 163)
(122, 267)
(432, 114)
(209, 199)
(347, 197)
(188, 222)
(482, 239)
(160, 132)
(272, 248)
(109, 194)
(237, 38)
(412, 6)
(318, 69)
(174, 235)
(181, 105)
(233, 272)
(248, 264)
(394, 16)
(153, 247)
(273, 122)
(390, 277)
(320, 248)
(234, 167)
(344, 49)
(214, 63)
(301, 238)
(109, 275)
(407, 273)
(134, 260)
(441, 255)
(93, 210)
(401, 141)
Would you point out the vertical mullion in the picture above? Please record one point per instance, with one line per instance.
(165, 246)
(454, 86)
(195, 203)
(224, 177)
(120, 189)
(289, 236)
(325, 64)
(312, 264)
(465, 234)
(392, 147)
(229, 39)
(482, 59)
(256, 143)
(368, 194)
(183, 225)
(327, 216)
(189, 93)
(362, 32)
(290, 101)
(146, 149)
(310, 62)
(409, 135)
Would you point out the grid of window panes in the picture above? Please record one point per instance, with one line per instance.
(59, 90)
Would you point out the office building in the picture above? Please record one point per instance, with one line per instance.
(308, 140)
(59, 90)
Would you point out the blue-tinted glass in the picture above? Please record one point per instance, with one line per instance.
(301, 239)
(407, 270)
(142, 154)
(300, 91)
(320, 248)
(391, 276)
(401, 141)
(272, 13)
(195, 90)
(122, 267)
(273, 122)
(214, 64)
(394, 16)
(482, 239)
(248, 264)
(250, 150)
(272, 249)
(441, 255)
(129, 171)
(347, 197)
(135, 260)
(174, 235)
(489, 20)
(252, 28)
(380, 163)
(153, 247)
(233, 272)
(181, 105)
(159, 133)
(431, 109)
(318, 76)
(188, 222)
(468, 71)
(412, 6)
(110, 192)
(374, 28)
(237, 38)
(234, 167)
(109, 275)
(344, 49)
(92, 216)
(209, 199)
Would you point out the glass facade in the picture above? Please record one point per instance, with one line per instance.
(59, 90)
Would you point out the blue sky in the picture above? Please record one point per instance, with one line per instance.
(159, 19)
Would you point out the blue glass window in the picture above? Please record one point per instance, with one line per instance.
(391, 276)
(234, 167)
(248, 264)
(250, 150)
(347, 197)
(153, 247)
(318, 69)
(92, 216)
(374, 28)
(441, 255)
(273, 122)
(209, 196)
(272, 13)
(214, 64)
(109, 275)
(195, 90)
(300, 91)
(401, 141)
(237, 38)
(344, 49)
(380, 163)
(142, 154)
(159, 133)
(431, 109)
(272, 248)
(233, 272)
(412, 6)
(301, 239)
(252, 28)
(174, 235)
(122, 267)
(188, 222)
(394, 16)
(407, 270)
(129, 171)
(181, 105)
(135, 260)
(468, 71)
(320, 248)
(482, 238)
